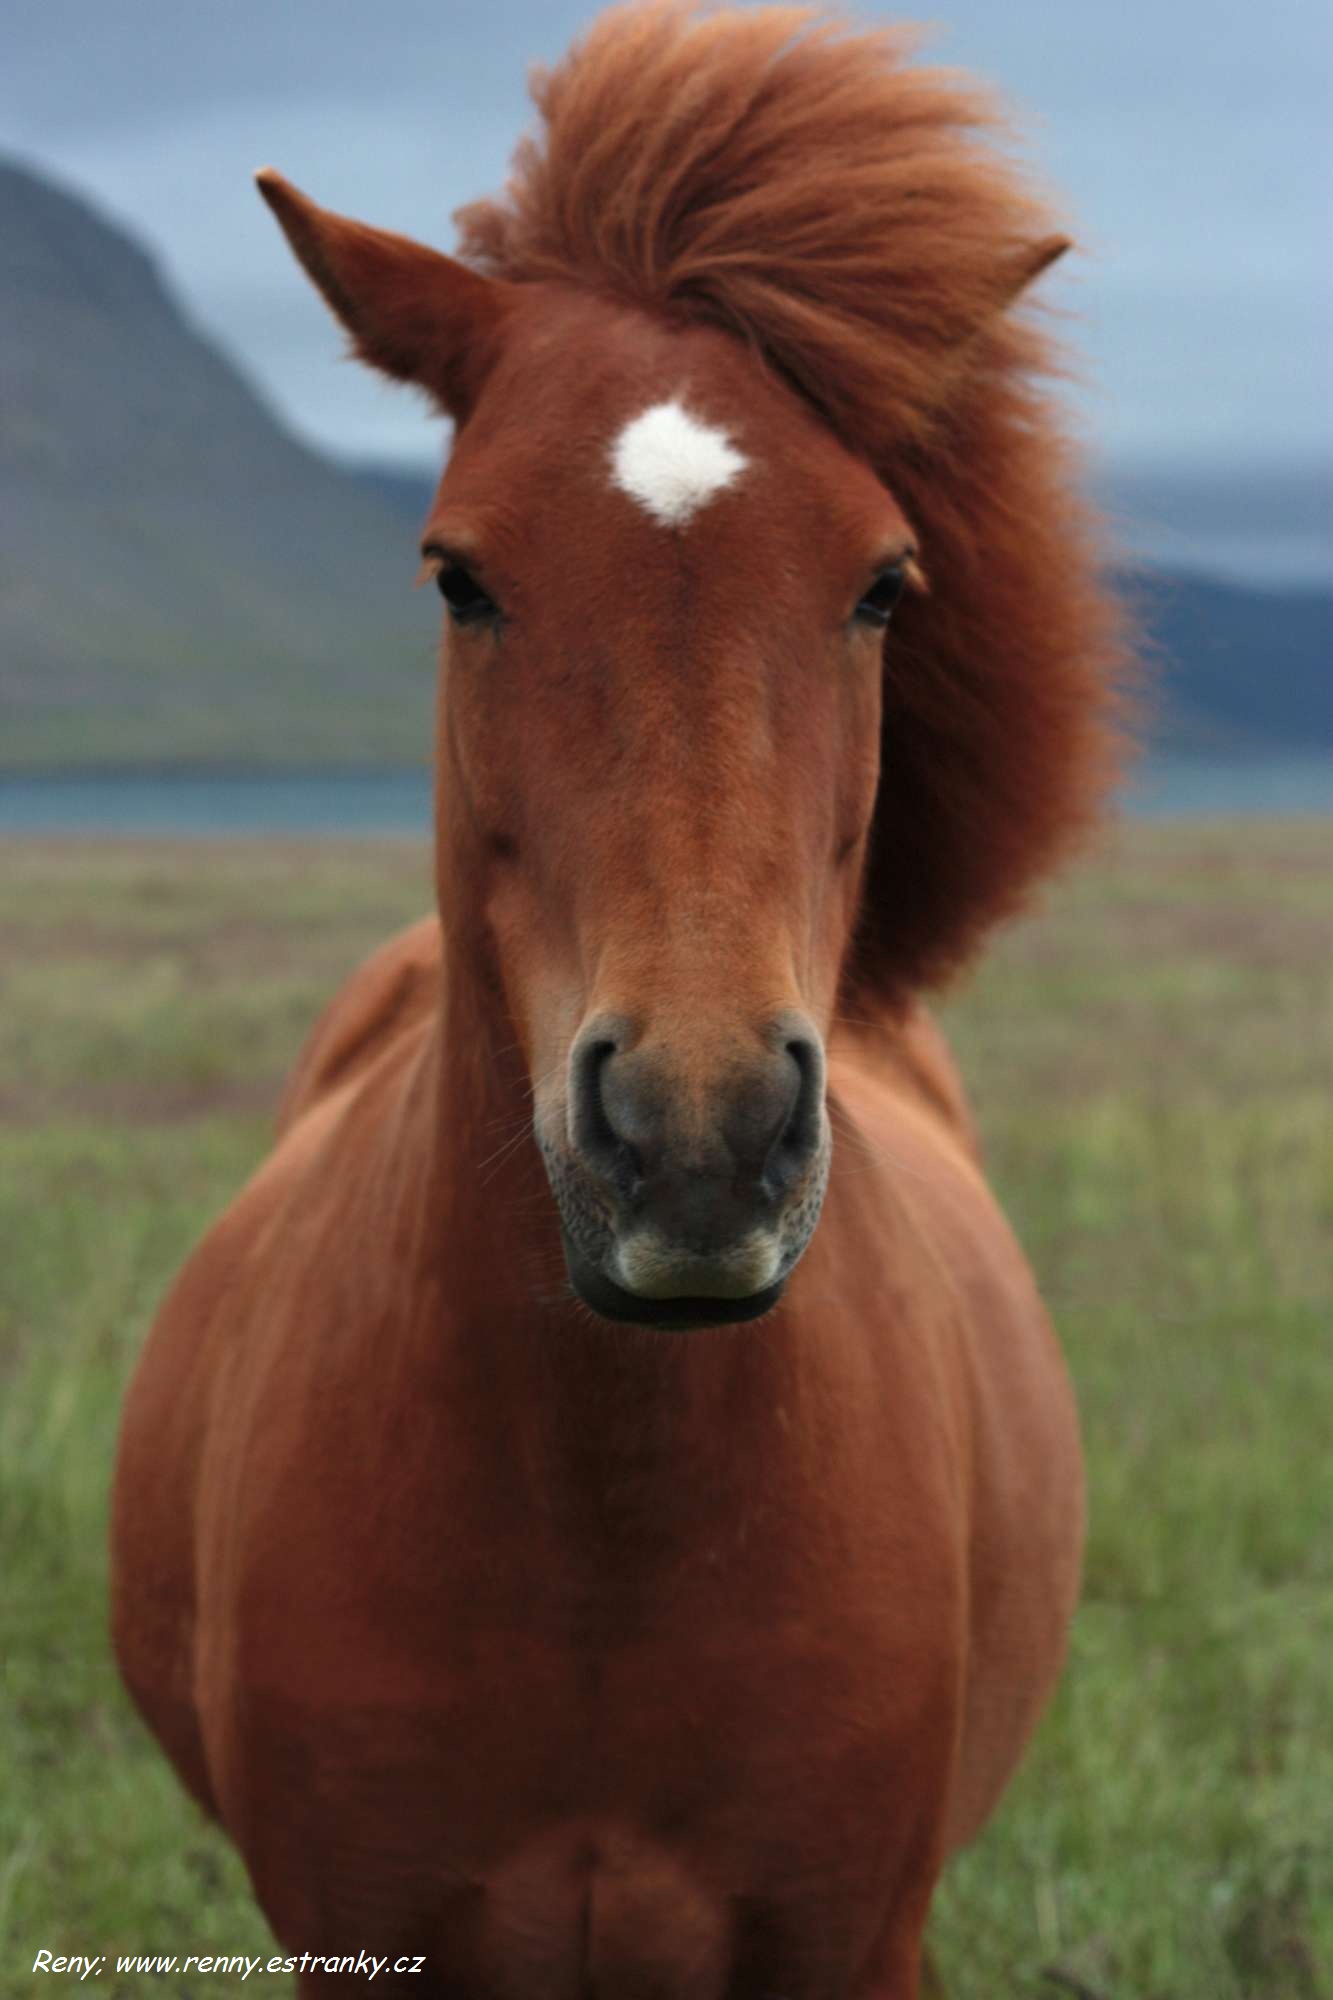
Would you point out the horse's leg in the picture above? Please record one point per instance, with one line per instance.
(932, 1986)
(902, 1968)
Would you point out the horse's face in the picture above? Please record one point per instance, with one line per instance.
(666, 587)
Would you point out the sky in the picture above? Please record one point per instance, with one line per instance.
(1189, 141)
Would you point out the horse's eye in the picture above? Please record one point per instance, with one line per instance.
(467, 602)
(877, 606)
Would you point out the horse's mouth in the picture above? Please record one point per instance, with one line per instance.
(672, 1315)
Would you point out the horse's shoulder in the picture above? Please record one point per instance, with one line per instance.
(904, 1056)
(339, 1095)
(389, 992)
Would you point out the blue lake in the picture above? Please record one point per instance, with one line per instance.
(353, 803)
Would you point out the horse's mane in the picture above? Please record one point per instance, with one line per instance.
(858, 222)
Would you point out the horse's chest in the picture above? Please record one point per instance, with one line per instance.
(725, 1786)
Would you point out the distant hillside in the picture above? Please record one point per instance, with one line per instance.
(408, 492)
(1237, 671)
(1260, 526)
(179, 579)
(183, 583)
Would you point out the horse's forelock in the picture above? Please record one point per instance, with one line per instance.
(782, 174)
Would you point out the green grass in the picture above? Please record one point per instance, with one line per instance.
(1150, 1059)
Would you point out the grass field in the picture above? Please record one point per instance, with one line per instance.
(1150, 1057)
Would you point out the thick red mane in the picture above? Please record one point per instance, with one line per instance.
(858, 223)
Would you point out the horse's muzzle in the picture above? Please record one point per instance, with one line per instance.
(673, 1314)
(687, 1192)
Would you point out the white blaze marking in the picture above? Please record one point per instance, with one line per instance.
(673, 464)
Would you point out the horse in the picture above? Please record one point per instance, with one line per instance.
(601, 1511)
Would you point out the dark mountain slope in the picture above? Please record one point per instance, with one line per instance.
(1238, 671)
(179, 579)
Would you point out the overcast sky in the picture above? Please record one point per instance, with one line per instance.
(1189, 137)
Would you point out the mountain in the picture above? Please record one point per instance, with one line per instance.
(180, 580)
(1236, 672)
(1258, 526)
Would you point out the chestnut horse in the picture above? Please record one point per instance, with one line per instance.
(601, 1511)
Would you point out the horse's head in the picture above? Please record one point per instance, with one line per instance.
(679, 806)
(666, 587)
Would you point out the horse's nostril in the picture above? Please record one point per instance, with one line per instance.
(597, 1056)
(771, 1123)
(798, 1137)
(652, 1138)
(593, 1126)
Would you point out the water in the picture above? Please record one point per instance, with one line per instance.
(320, 803)
(1189, 788)
(360, 803)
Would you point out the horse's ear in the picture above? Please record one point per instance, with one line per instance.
(1029, 265)
(414, 314)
